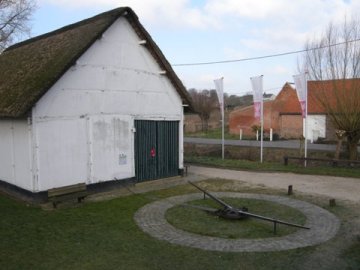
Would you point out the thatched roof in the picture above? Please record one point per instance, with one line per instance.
(29, 69)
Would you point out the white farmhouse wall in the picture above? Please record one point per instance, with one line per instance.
(316, 127)
(111, 148)
(6, 153)
(15, 151)
(83, 125)
(115, 76)
(61, 153)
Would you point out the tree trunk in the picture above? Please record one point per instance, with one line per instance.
(205, 124)
(338, 149)
(352, 147)
(340, 135)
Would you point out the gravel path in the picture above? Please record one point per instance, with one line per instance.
(342, 188)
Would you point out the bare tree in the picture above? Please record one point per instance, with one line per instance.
(14, 19)
(339, 67)
(204, 103)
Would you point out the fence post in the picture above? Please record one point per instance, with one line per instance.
(290, 190)
(286, 160)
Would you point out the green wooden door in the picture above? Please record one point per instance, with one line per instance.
(156, 149)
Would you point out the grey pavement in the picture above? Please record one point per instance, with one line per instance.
(289, 144)
(342, 188)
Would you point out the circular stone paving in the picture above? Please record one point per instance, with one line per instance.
(323, 226)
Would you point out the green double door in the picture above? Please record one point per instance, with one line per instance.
(156, 149)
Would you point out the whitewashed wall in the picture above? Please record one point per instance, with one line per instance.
(111, 147)
(15, 151)
(83, 125)
(117, 76)
(316, 127)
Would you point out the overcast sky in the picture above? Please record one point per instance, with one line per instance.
(214, 30)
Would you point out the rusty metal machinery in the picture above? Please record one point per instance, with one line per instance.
(229, 212)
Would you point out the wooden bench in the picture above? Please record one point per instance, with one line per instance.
(333, 162)
(77, 191)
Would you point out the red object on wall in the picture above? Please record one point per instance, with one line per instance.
(152, 152)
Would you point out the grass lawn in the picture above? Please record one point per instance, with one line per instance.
(197, 221)
(272, 166)
(103, 235)
(215, 134)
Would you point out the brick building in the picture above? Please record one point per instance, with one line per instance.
(283, 114)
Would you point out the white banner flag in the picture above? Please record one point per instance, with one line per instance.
(257, 86)
(219, 86)
(301, 91)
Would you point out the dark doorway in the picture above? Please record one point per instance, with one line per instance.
(156, 149)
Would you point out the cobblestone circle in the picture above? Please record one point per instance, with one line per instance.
(323, 226)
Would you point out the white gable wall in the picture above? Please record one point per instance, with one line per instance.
(116, 75)
(84, 124)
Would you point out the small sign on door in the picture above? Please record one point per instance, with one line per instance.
(122, 159)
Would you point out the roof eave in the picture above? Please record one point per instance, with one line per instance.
(133, 19)
(161, 60)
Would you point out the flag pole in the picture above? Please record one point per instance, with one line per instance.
(302, 93)
(262, 129)
(306, 117)
(219, 87)
(257, 86)
(222, 121)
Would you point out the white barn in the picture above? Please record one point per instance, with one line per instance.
(94, 102)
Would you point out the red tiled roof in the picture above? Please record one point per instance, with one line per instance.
(336, 93)
(286, 101)
(331, 90)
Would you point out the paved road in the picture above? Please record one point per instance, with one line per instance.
(292, 144)
(342, 188)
